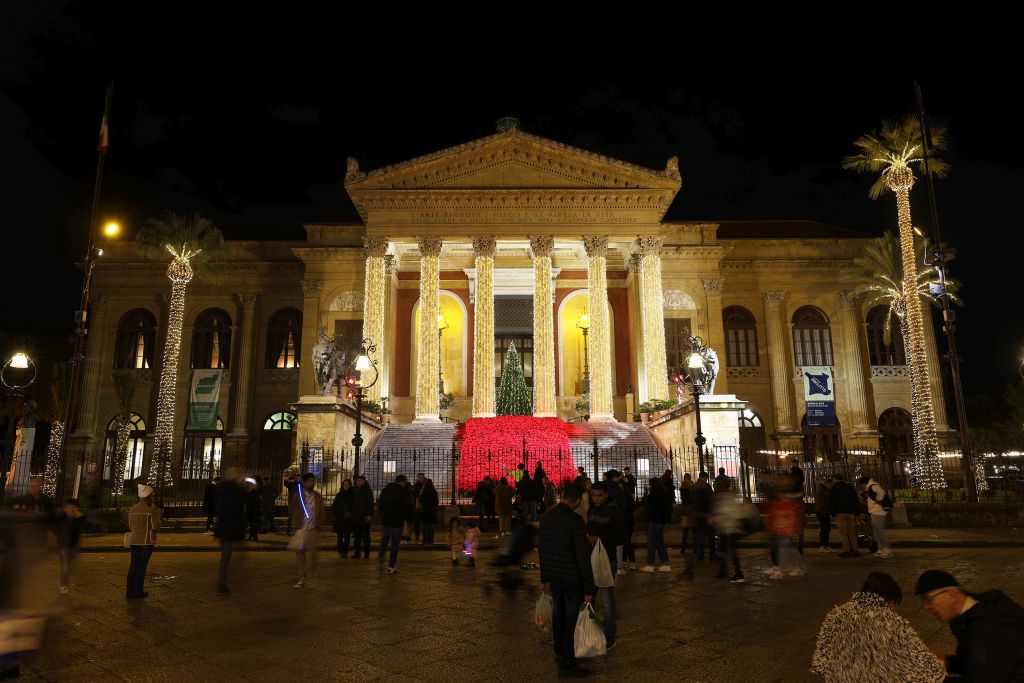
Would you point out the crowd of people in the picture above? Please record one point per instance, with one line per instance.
(583, 532)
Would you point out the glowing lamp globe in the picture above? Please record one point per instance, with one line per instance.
(362, 362)
(695, 362)
(19, 360)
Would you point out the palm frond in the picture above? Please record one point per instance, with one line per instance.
(192, 237)
(896, 143)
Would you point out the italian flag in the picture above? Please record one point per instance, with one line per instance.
(103, 142)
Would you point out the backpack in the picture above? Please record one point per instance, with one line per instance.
(886, 501)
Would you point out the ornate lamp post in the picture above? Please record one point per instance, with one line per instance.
(357, 386)
(583, 325)
(442, 325)
(17, 375)
(698, 377)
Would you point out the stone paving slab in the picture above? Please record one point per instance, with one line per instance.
(435, 622)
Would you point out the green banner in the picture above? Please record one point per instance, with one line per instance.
(202, 407)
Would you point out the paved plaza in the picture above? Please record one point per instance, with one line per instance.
(435, 622)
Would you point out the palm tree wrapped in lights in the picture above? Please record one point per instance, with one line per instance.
(191, 241)
(891, 152)
(124, 386)
(58, 387)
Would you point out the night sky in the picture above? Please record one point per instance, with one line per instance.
(248, 119)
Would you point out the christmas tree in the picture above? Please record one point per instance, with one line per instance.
(513, 396)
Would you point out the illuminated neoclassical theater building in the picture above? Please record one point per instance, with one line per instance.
(508, 239)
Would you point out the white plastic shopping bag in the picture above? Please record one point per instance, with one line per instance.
(603, 577)
(543, 611)
(589, 637)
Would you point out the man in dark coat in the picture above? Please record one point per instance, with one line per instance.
(604, 524)
(395, 507)
(565, 571)
(481, 498)
(702, 498)
(630, 482)
(231, 522)
(362, 516)
(844, 504)
(989, 628)
(210, 503)
(526, 491)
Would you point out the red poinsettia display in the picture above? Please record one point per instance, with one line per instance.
(494, 446)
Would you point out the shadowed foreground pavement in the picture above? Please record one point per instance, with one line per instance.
(435, 622)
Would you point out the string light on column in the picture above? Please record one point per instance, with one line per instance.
(483, 328)
(120, 456)
(600, 345)
(543, 328)
(652, 315)
(428, 361)
(373, 301)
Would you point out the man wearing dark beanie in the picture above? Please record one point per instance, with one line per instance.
(989, 628)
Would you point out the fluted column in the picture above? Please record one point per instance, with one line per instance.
(854, 362)
(246, 356)
(781, 370)
(716, 331)
(427, 368)
(935, 371)
(373, 303)
(91, 365)
(652, 315)
(598, 340)
(483, 327)
(543, 328)
(311, 333)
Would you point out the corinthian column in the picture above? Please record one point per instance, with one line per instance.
(483, 328)
(427, 368)
(543, 328)
(373, 303)
(652, 316)
(598, 339)
(91, 365)
(780, 369)
(854, 363)
(246, 355)
(716, 332)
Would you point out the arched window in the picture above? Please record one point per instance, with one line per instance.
(202, 452)
(880, 354)
(752, 437)
(897, 434)
(280, 422)
(284, 339)
(136, 337)
(812, 337)
(740, 337)
(136, 447)
(211, 339)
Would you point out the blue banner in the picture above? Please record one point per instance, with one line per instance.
(820, 395)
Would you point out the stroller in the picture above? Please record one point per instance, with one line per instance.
(513, 548)
(865, 539)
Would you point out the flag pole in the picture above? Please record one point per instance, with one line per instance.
(81, 315)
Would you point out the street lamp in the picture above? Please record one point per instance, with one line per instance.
(15, 383)
(698, 377)
(583, 325)
(442, 325)
(357, 386)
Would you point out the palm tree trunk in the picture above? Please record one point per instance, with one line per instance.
(119, 460)
(160, 463)
(53, 457)
(928, 469)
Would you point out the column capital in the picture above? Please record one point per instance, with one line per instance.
(542, 245)
(713, 287)
(376, 246)
(595, 245)
(485, 246)
(390, 264)
(650, 244)
(430, 246)
(848, 299)
(248, 300)
(633, 263)
(312, 287)
(774, 299)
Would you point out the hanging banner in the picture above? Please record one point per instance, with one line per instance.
(820, 395)
(202, 407)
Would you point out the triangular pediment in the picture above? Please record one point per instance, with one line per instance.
(512, 160)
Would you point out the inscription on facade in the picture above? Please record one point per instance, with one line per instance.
(503, 216)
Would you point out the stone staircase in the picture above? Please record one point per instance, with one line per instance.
(612, 435)
(414, 437)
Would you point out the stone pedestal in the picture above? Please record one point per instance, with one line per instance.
(322, 422)
(719, 420)
(22, 465)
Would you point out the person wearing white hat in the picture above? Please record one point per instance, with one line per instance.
(143, 521)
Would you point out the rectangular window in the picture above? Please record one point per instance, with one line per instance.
(741, 348)
(677, 332)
